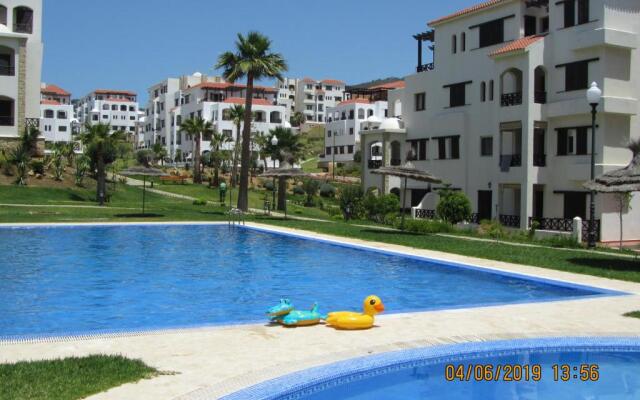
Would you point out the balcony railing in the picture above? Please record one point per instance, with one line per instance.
(374, 164)
(540, 97)
(6, 121)
(276, 121)
(539, 160)
(23, 27)
(564, 225)
(426, 67)
(510, 160)
(396, 161)
(511, 99)
(7, 70)
(511, 221)
(425, 214)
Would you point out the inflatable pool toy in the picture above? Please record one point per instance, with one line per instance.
(285, 314)
(352, 320)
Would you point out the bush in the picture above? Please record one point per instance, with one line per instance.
(454, 206)
(38, 167)
(327, 190)
(350, 199)
(378, 207)
(310, 187)
(268, 185)
(424, 227)
(492, 228)
(299, 191)
(200, 202)
(145, 157)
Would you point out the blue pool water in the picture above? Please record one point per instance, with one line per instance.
(611, 371)
(62, 280)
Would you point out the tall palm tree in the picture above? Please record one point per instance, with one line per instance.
(197, 129)
(289, 149)
(101, 147)
(236, 114)
(254, 60)
(217, 140)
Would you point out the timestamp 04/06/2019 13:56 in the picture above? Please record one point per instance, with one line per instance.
(520, 372)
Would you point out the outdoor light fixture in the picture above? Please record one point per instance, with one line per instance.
(594, 95)
(274, 140)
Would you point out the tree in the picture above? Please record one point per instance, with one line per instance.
(145, 157)
(21, 155)
(624, 203)
(101, 147)
(297, 119)
(197, 129)
(454, 206)
(262, 142)
(350, 199)
(310, 187)
(254, 60)
(289, 149)
(217, 156)
(160, 152)
(236, 114)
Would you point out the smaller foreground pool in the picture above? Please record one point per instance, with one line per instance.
(540, 369)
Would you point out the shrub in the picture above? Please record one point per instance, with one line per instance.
(327, 190)
(145, 157)
(58, 165)
(350, 199)
(425, 226)
(38, 167)
(378, 207)
(268, 185)
(82, 167)
(531, 233)
(492, 228)
(200, 202)
(454, 206)
(310, 187)
(297, 190)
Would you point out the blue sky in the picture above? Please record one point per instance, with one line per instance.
(132, 44)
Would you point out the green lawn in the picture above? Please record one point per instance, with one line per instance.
(69, 379)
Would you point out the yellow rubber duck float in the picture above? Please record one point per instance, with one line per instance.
(352, 320)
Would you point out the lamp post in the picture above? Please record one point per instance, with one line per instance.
(594, 95)
(274, 143)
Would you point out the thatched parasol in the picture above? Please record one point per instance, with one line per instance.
(284, 173)
(407, 171)
(144, 171)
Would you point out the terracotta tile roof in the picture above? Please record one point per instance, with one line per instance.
(332, 82)
(354, 101)
(119, 100)
(390, 85)
(241, 100)
(118, 92)
(468, 10)
(50, 102)
(308, 80)
(517, 45)
(53, 89)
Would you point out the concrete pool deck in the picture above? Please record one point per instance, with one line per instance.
(214, 361)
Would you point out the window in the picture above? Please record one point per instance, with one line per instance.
(350, 149)
(132, 118)
(351, 114)
(105, 116)
(328, 133)
(448, 147)
(419, 149)
(420, 100)
(576, 75)
(463, 41)
(350, 131)
(328, 151)
(530, 23)
(573, 141)
(62, 129)
(361, 113)
(569, 13)
(48, 113)
(583, 11)
(62, 115)
(483, 92)
(454, 44)
(491, 33)
(491, 85)
(132, 108)
(105, 107)
(457, 94)
(95, 117)
(544, 25)
(6, 61)
(486, 146)
(123, 108)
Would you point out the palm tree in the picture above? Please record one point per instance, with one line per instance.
(101, 147)
(289, 149)
(197, 129)
(297, 119)
(262, 142)
(236, 114)
(254, 60)
(217, 140)
(29, 140)
(160, 152)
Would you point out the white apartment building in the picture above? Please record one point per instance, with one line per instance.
(313, 97)
(286, 96)
(366, 107)
(503, 115)
(118, 108)
(57, 114)
(20, 66)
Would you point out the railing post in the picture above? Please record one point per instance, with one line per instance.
(577, 229)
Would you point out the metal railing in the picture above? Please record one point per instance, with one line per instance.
(374, 164)
(396, 161)
(6, 121)
(7, 70)
(514, 160)
(564, 225)
(426, 67)
(511, 99)
(23, 27)
(540, 97)
(425, 214)
(511, 221)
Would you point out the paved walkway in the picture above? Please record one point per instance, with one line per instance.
(210, 362)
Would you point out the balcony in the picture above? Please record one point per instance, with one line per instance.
(511, 99)
(540, 97)
(426, 67)
(539, 160)
(7, 70)
(510, 160)
(374, 164)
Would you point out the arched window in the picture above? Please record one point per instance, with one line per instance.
(396, 153)
(7, 60)
(23, 20)
(114, 107)
(274, 117)
(7, 113)
(258, 116)
(48, 113)
(491, 87)
(463, 41)
(123, 108)
(483, 91)
(361, 113)
(62, 115)
(105, 107)
(454, 44)
(3, 15)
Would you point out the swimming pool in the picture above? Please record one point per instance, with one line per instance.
(605, 368)
(68, 280)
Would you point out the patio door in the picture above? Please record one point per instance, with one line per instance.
(485, 204)
(575, 205)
